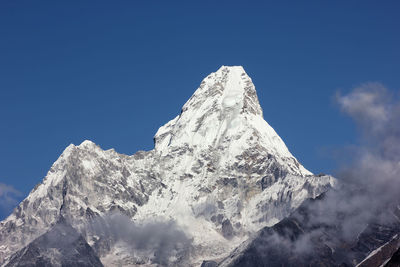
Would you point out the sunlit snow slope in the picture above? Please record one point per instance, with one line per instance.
(218, 171)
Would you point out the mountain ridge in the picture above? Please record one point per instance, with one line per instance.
(62, 244)
(218, 171)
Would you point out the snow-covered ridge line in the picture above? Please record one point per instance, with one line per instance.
(394, 240)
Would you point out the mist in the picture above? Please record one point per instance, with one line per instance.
(371, 181)
(9, 199)
(369, 184)
(367, 194)
(160, 242)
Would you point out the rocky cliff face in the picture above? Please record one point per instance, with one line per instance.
(218, 173)
(394, 261)
(62, 245)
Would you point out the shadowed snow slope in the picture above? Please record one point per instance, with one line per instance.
(218, 172)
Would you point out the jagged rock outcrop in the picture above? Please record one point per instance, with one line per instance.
(394, 260)
(62, 245)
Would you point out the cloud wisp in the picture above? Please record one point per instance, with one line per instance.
(370, 182)
(9, 198)
(375, 169)
(157, 242)
(367, 198)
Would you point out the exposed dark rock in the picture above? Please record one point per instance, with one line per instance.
(382, 254)
(395, 260)
(227, 229)
(213, 218)
(220, 217)
(209, 264)
(229, 181)
(266, 181)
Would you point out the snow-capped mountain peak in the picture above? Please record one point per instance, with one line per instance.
(223, 113)
(218, 170)
(229, 89)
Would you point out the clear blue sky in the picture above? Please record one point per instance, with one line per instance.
(115, 71)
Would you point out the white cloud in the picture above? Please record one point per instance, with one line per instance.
(369, 105)
(9, 198)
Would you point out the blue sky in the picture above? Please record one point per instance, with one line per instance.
(115, 71)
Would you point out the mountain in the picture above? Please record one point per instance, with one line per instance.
(218, 174)
(394, 261)
(310, 237)
(61, 245)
